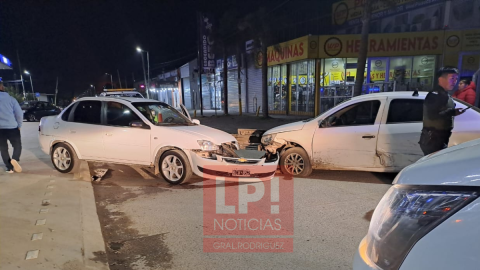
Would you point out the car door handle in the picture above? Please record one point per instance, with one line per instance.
(368, 136)
(73, 131)
(108, 134)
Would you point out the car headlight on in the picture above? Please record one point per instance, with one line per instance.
(267, 139)
(406, 214)
(207, 145)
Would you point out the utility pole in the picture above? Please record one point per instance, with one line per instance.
(21, 77)
(56, 92)
(119, 81)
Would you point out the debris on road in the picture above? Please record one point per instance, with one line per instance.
(99, 173)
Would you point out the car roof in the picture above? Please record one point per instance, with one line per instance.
(128, 99)
(401, 94)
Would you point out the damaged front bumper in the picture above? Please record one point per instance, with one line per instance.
(231, 164)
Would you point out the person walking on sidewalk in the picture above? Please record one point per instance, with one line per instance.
(11, 120)
(438, 113)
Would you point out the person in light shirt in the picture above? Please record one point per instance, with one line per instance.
(11, 120)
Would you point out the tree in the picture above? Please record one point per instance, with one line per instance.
(368, 6)
(13, 93)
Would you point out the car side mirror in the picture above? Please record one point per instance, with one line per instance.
(139, 124)
(196, 121)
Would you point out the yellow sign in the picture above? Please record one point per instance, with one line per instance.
(298, 49)
(398, 44)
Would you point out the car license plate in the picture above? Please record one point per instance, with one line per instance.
(241, 173)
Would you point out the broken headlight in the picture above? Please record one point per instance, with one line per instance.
(207, 145)
(406, 214)
(268, 139)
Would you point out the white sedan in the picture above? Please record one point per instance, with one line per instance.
(151, 133)
(375, 132)
(430, 217)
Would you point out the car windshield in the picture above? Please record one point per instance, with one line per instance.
(161, 114)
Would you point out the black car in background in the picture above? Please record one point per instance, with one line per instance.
(35, 110)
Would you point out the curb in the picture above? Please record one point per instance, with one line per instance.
(94, 255)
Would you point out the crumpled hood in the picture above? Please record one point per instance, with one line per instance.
(457, 165)
(287, 127)
(201, 132)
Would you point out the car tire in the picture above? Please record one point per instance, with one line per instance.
(295, 162)
(175, 167)
(31, 118)
(64, 158)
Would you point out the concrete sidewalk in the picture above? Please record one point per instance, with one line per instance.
(48, 220)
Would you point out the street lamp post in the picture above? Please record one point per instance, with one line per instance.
(94, 90)
(147, 82)
(111, 79)
(31, 82)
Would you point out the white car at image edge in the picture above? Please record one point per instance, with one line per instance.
(430, 217)
(150, 133)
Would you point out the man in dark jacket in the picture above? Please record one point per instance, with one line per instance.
(439, 112)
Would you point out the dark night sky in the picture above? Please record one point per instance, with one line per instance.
(81, 40)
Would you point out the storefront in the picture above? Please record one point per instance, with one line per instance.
(291, 76)
(165, 88)
(396, 62)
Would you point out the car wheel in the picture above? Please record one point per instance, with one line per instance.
(295, 162)
(64, 158)
(31, 118)
(174, 167)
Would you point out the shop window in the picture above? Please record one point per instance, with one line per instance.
(334, 71)
(277, 88)
(423, 72)
(401, 72)
(302, 87)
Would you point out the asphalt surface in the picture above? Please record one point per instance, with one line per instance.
(149, 224)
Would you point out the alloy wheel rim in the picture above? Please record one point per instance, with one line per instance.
(62, 158)
(172, 168)
(294, 164)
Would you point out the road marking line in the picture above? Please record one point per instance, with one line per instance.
(45, 202)
(52, 181)
(41, 222)
(37, 236)
(32, 254)
(43, 211)
(142, 173)
(48, 193)
(50, 186)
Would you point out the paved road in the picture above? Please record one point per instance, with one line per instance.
(148, 224)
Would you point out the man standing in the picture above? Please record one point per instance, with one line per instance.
(439, 112)
(11, 120)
